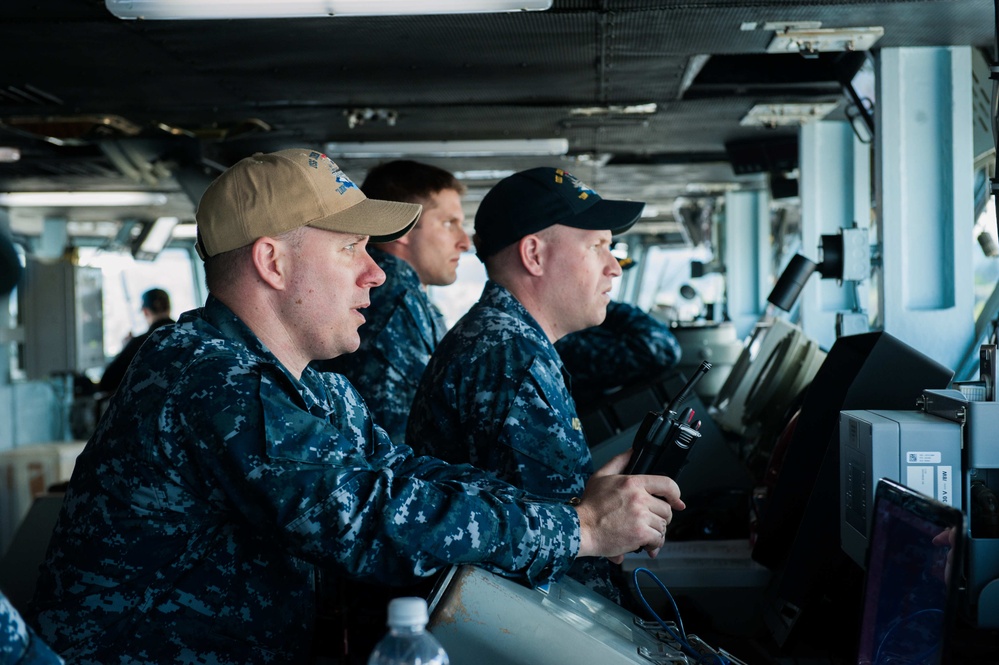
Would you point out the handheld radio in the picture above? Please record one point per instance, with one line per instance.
(664, 439)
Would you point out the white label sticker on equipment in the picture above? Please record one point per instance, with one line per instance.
(920, 478)
(916, 457)
(945, 493)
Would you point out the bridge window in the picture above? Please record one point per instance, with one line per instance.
(126, 279)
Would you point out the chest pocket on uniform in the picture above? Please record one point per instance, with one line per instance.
(406, 340)
(539, 426)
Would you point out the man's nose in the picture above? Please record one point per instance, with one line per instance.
(614, 266)
(372, 275)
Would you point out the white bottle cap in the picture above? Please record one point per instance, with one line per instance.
(407, 612)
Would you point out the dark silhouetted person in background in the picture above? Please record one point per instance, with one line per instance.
(10, 266)
(156, 309)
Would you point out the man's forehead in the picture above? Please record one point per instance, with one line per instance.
(357, 237)
(436, 199)
(584, 233)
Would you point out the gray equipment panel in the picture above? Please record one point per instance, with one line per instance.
(918, 450)
(485, 619)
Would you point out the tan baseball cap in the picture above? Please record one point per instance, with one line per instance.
(270, 194)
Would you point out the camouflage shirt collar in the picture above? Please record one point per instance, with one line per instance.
(398, 273)
(497, 296)
(218, 315)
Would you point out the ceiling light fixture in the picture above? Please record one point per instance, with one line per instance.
(81, 199)
(483, 174)
(786, 115)
(487, 148)
(154, 237)
(234, 9)
(824, 40)
(614, 109)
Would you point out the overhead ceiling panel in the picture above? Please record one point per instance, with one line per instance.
(202, 94)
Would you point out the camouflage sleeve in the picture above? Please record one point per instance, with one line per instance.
(399, 353)
(628, 346)
(19, 645)
(387, 392)
(345, 497)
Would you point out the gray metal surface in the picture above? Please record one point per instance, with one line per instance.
(484, 619)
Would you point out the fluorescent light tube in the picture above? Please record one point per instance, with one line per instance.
(615, 109)
(786, 115)
(81, 199)
(489, 148)
(483, 174)
(233, 9)
(154, 238)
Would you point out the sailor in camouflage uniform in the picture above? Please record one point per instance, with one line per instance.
(495, 393)
(19, 645)
(227, 473)
(628, 347)
(403, 327)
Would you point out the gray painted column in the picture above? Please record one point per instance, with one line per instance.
(925, 192)
(834, 184)
(747, 245)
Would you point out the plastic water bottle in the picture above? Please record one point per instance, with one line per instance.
(408, 642)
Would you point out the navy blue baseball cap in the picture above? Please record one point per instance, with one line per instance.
(532, 200)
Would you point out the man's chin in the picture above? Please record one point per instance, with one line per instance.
(600, 317)
(350, 346)
(444, 280)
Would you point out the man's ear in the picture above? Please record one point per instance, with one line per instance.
(269, 260)
(399, 247)
(531, 249)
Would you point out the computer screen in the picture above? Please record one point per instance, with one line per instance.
(910, 587)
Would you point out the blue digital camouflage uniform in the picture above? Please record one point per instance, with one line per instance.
(18, 643)
(629, 346)
(494, 395)
(217, 483)
(401, 331)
